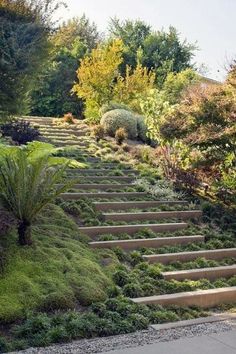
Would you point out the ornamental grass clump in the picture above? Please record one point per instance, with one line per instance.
(69, 118)
(98, 132)
(120, 136)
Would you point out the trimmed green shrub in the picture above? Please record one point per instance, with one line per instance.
(142, 129)
(111, 106)
(120, 118)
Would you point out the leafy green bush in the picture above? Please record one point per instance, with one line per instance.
(20, 131)
(142, 129)
(111, 106)
(120, 118)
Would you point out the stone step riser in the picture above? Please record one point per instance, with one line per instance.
(131, 229)
(62, 138)
(191, 256)
(184, 215)
(129, 245)
(57, 133)
(104, 178)
(135, 205)
(103, 187)
(202, 298)
(91, 171)
(74, 143)
(107, 195)
(206, 273)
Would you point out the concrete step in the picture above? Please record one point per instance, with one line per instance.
(106, 166)
(91, 171)
(39, 120)
(103, 187)
(189, 214)
(201, 273)
(134, 244)
(62, 131)
(107, 195)
(131, 229)
(105, 178)
(69, 143)
(202, 298)
(190, 256)
(104, 206)
(62, 138)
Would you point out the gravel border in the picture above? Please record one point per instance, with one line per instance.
(150, 336)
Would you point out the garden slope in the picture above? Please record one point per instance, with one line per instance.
(58, 272)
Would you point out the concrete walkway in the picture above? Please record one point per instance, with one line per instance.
(221, 343)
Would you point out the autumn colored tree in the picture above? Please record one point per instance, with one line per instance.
(135, 83)
(97, 76)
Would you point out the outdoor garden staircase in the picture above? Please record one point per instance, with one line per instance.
(100, 181)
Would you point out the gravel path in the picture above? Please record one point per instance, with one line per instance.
(103, 345)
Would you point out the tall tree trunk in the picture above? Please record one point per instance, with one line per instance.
(24, 233)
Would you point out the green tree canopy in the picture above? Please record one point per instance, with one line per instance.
(24, 29)
(161, 51)
(71, 42)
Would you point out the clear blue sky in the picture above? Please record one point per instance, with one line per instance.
(210, 23)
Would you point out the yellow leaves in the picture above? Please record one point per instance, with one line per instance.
(140, 81)
(100, 80)
(98, 71)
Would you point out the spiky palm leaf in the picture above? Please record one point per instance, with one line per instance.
(29, 179)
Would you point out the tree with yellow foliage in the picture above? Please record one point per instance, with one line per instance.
(101, 82)
(97, 76)
(136, 83)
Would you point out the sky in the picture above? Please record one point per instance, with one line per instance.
(210, 23)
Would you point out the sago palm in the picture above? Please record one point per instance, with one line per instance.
(29, 180)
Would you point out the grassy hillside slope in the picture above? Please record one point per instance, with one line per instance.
(58, 272)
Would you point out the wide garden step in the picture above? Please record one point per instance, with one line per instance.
(105, 178)
(107, 195)
(189, 214)
(202, 298)
(131, 229)
(201, 273)
(63, 138)
(112, 164)
(190, 256)
(70, 143)
(39, 120)
(147, 242)
(62, 131)
(102, 186)
(101, 170)
(104, 206)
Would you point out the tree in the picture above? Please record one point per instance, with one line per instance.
(52, 95)
(29, 178)
(97, 75)
(24, 29)
(133, 35)
(160, 51)
(135, 85)
(177, 83)
(77, 28)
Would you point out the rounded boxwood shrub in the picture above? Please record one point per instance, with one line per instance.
(120, 118)
(111, 106)
(142, 129)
